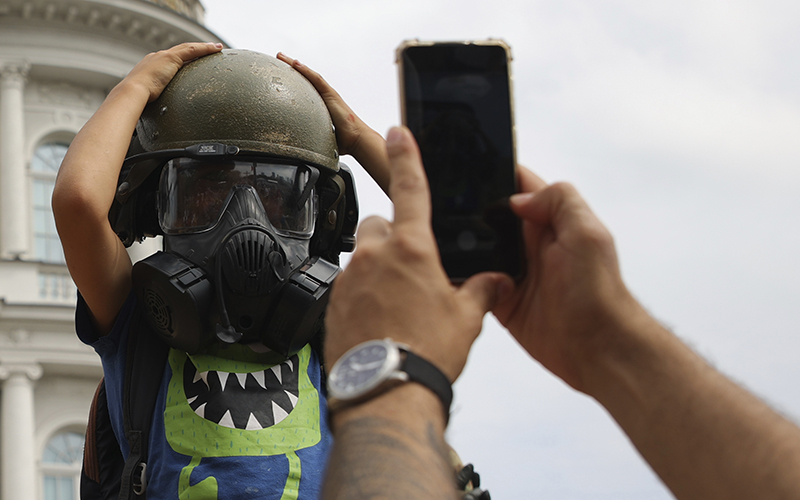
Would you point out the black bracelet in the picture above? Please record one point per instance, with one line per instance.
(424, 372)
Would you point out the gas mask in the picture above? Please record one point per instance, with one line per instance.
(237, 264)
(236, 165)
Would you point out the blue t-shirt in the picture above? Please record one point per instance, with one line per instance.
(226, 426)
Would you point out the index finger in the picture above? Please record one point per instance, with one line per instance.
(190, 51)
(408, 185)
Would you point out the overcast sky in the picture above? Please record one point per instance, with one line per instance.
(679, 122)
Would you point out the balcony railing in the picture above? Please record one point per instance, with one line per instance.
(32, 283)
(57, 287)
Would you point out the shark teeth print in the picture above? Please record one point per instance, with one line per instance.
(247, 401)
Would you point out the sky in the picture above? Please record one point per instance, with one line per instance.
(678, 121)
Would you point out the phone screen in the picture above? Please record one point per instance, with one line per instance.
(457, 103)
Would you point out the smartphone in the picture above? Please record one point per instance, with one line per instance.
(456, 98)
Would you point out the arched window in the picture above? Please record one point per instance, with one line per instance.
(61, 466)
(44, 166)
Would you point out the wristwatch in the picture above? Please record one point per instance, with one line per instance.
(375, 366)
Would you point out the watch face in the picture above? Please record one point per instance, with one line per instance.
(362, 369)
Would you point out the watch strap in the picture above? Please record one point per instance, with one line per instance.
(424, 372)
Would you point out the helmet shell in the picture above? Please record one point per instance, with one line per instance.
(246, 99)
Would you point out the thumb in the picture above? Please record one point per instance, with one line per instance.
(482, 291)
(408, 185)
(558, 205)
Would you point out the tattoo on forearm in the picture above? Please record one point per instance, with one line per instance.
(436, 443)
(376, 458)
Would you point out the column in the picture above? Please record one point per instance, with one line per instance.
(19, 475)
(14, 225)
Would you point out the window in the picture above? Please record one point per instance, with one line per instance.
(61, 466)
(44, 167)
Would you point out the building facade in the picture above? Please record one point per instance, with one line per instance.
(58, 60)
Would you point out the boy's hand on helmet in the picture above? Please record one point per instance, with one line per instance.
(157, 69)
(353, 136)
(395, 285)
(349, 127)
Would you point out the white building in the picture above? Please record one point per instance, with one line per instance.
(58, 60)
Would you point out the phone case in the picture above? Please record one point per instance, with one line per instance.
(416, 42)
(461, 261)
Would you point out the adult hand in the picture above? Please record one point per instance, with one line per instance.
(353, 136)
(156, 70)
(395, 285)
(703, 435)
(572, 301)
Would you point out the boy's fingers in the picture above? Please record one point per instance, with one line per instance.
(193, 50)
(312, 76)
(283, 57)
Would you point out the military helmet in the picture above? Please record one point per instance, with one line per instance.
(245, 99)
(246, 103)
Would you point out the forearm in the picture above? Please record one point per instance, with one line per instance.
(706, 437)
(390, 447)
(370, 152)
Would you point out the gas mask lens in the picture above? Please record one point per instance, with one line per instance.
(193, 194)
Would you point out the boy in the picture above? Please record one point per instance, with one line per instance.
(253, 206)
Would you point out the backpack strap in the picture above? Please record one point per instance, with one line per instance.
(102, 460)
(144, 369)
(91, 462)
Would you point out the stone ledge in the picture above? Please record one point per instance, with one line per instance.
(156, 23)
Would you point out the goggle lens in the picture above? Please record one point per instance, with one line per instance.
(193, 194)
